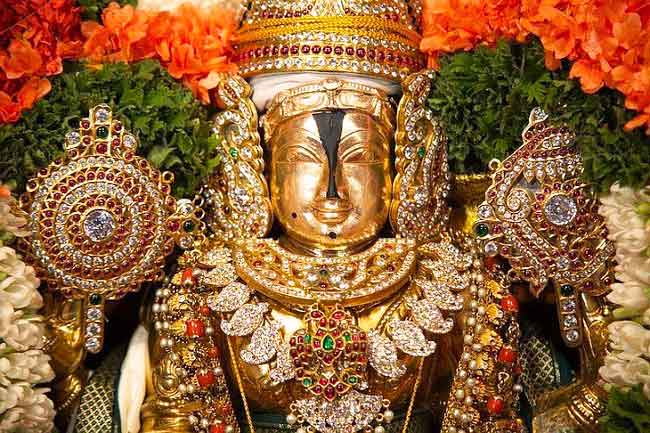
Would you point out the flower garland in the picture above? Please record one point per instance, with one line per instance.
(627, 213)
(35, 37)
(23, 362)
(193, 44)
(609, 42)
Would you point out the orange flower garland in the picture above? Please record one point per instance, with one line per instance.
(35, 37)
(193, 45)
(608, 41)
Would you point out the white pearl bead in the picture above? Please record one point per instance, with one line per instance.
(159, 293)
(471, 382)
(517, 388)
(466, 356)
(481, 292)
(291, 419)
(473, 305)
(230, 429)
(209, 330)
(163, 308)
(301, 430)
(156, 308)
(190, 389)
(479, 278)
(204, 423)
(389, 415)
(452, 430)
(480, 311)
(380, 429)
(469, 400)
(462, 374)
(472, 365)
(166, 293)
(476, 347)
(471, 321)
(193, 419)
(464, 418)
(469, 338)
(460, 394)
(455, 413)
(218, 371)
(158, 326)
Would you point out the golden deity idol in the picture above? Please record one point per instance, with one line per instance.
(326, 289)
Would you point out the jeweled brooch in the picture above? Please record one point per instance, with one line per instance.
(541, 217)
(102, 218)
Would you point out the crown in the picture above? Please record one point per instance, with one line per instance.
(369, 37)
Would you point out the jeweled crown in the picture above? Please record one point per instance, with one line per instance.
(369, 37)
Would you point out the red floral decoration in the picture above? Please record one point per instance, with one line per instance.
(35, 37)
(608, 41)
(194, 45)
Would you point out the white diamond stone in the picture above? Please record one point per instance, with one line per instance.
(560, 209)
(101, 115)
(99, 225)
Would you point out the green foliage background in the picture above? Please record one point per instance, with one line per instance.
(172, 126)
(484, 98)
(628, 411)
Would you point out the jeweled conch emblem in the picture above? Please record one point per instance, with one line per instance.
(102, 218)
(541, 217)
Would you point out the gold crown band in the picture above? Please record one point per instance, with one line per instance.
(329, 94)
(272, 28)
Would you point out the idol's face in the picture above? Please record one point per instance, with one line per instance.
(330, 178)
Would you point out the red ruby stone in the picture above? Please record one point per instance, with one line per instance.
(329, 392)
(495, 405)
(305, 49)
(509, 303)
(204, 309)
(349, 51)
(194, 328)
(275, 50)
(315, 49)
(338, 50)
(218, 428)
(361, 52)
(380, 56)
(294, 49)
(85, 124)
(213, 352)
(507, 355)
(284, 50)
(371, 54)
(205, 380)
(101, 148)
(266, 50)
(327, 50)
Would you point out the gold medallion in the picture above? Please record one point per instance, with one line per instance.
(101, 218)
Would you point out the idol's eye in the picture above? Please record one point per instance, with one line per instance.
(302, 153)
(359, 154)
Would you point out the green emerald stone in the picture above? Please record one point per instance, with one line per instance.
(347, 337)
(566, 290)
(95, 299)
(421, 152)
(306, 382)
(482, 230)
(233, 152)
(307, 338)
(328, 343)
(353, 380)
(102, 132)
(188, 226)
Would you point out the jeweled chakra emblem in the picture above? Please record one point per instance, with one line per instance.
(99, 218)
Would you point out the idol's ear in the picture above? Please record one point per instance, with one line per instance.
(544, 219)
(418, 209)
(236, 196)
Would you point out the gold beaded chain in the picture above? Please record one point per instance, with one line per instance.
(416, 385)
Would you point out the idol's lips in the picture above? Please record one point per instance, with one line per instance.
(331, 211)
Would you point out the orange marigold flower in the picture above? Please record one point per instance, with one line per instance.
(192, 44)
(20, 59)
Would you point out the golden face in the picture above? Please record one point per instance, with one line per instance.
(330, 177)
